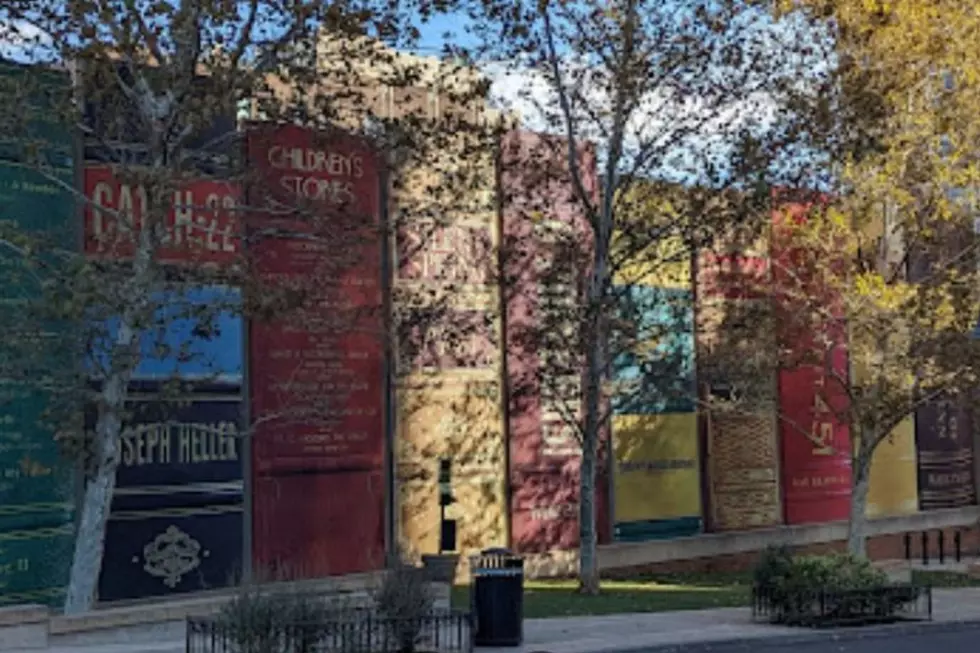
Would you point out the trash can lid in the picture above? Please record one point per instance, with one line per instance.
(497, 550)
(496, 558)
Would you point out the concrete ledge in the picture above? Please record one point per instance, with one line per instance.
(165, 621)
(931, 520)
(19, 615)
(635, 554)
(24, 627)
(708, 545)
(110, 618)
(106, 617)
(147, 622)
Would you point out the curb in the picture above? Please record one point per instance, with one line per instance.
(810, 636)
(174, 647)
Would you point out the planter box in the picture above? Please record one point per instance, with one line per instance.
(440, 568)
(442, 631)
(885, 604)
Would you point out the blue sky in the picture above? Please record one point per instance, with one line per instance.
(513, 87)
(432, 32)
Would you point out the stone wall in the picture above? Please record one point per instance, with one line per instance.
(737, 551)
(882, 547)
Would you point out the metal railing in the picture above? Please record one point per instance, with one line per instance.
(349, 631)
(826, 608)
(940, 550)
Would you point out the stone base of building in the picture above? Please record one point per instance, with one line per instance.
(161, 621)
(738, 551)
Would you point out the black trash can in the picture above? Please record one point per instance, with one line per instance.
(497, 598)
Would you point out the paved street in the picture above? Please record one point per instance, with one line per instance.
(936, 639)
(963, 641)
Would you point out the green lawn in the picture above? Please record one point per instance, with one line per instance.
(660, 593)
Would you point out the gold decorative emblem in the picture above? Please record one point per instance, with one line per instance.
(171, 555)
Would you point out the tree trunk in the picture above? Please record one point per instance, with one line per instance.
(594, 340)
(588, 557)
(100, 476)
(857, 524)
(99, 485)
(100, 481)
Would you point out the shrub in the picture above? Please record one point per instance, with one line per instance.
(778, 568)
(405, 598)
(837, 586)
(774, 565)
(833, 573)
(269, 620)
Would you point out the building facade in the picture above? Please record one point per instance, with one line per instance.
(431, 336)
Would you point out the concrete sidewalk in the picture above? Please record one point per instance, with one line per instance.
(639, 632)
(634, 632)
(624, 633)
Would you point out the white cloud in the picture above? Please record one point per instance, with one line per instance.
(23, 41)
(681, 130)
(685, 131)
